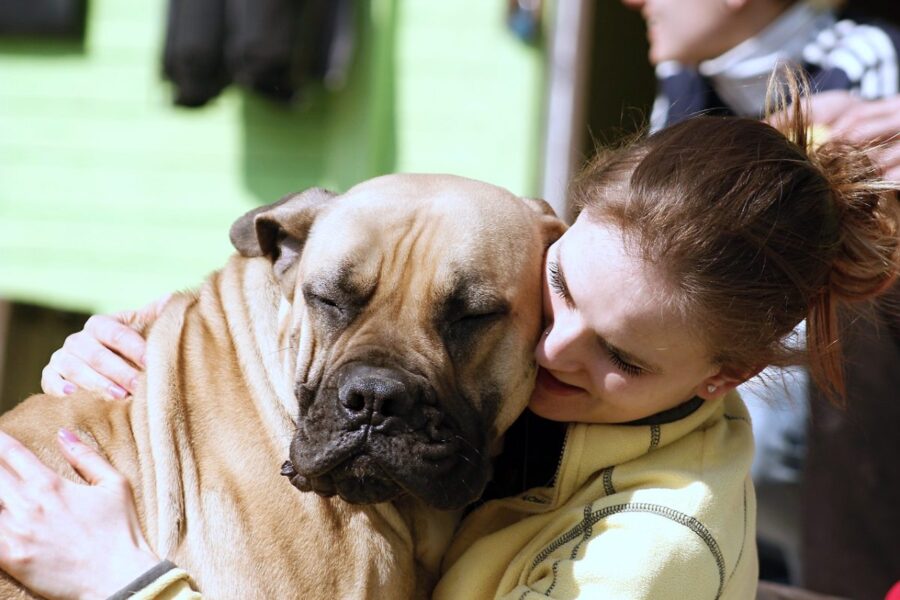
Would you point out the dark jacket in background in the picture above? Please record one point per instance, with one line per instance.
(271, 47)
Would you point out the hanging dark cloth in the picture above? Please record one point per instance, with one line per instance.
(193, 57)
(271, 47)
(58, 18)
(262, 43)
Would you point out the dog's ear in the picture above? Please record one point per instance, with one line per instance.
(278, 231)
(552, 226)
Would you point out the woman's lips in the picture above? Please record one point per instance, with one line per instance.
(553, 385)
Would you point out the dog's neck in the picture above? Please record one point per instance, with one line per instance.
(234, 319)
(254, 309)
(430, 532)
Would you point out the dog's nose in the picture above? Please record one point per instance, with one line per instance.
(381, 391)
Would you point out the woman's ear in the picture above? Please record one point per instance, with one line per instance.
(716, 386)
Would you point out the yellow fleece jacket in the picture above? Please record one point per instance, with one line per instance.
(635, 512)
(173, 584)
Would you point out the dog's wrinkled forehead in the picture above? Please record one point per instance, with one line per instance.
(448, 227)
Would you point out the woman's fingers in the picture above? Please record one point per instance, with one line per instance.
(22, 462)
(865, 112)
(53, 383)
(17, 465)
(106, 356)
(870, 121)
(87, 462)
(826, 108)
(888, 158)
(116, 336)
(10, 495)
(78, 372)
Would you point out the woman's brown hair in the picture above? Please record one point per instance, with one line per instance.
(754, 230)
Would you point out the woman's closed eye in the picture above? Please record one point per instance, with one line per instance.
(558, 283)
(622, 364)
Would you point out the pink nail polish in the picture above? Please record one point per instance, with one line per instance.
(133, 384)
(144, 360)
(67, 436)
(117, 392)
(69, 388)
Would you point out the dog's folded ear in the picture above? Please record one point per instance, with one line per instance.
(278, 231)
(552, 226)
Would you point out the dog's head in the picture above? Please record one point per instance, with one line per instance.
(413, 308)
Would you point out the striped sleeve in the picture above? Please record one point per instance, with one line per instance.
(856, 56)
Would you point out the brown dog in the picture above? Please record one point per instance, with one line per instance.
(381, 339)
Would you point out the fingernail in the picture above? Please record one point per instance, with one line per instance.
(117, 392)
(144, 360)
(69, 388)
(133, 384)
(67, 436)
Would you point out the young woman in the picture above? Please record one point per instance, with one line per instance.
(696, 252)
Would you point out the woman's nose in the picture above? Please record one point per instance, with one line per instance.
(559, 343)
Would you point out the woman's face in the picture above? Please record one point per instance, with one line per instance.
(614, 350)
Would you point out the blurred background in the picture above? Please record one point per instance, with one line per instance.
(132, 134)
(117, 184)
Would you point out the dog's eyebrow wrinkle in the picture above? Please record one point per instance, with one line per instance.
(468, 293)
(352, 286)
(342, 283)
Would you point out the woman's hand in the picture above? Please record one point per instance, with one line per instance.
(105, 357)
(65, 540)
(861, 121)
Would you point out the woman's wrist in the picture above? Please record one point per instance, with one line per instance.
(122, 572)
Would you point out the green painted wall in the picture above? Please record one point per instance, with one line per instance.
(110, 196)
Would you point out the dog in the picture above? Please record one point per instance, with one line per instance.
(380, 340)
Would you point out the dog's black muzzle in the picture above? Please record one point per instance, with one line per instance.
(372, 432)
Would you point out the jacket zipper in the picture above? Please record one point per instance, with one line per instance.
(562, 453)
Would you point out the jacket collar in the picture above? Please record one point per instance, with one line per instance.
(590, 448)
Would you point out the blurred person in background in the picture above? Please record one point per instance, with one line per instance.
(715, 57)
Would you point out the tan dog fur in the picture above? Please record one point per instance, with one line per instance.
(203, 438)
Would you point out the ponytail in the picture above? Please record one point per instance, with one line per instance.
(864, 259)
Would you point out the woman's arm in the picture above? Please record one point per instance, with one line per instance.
(105, 357)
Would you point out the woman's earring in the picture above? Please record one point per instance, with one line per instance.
(710, 388)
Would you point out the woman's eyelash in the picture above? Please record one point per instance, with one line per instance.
(625, 367)
(556, 281)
